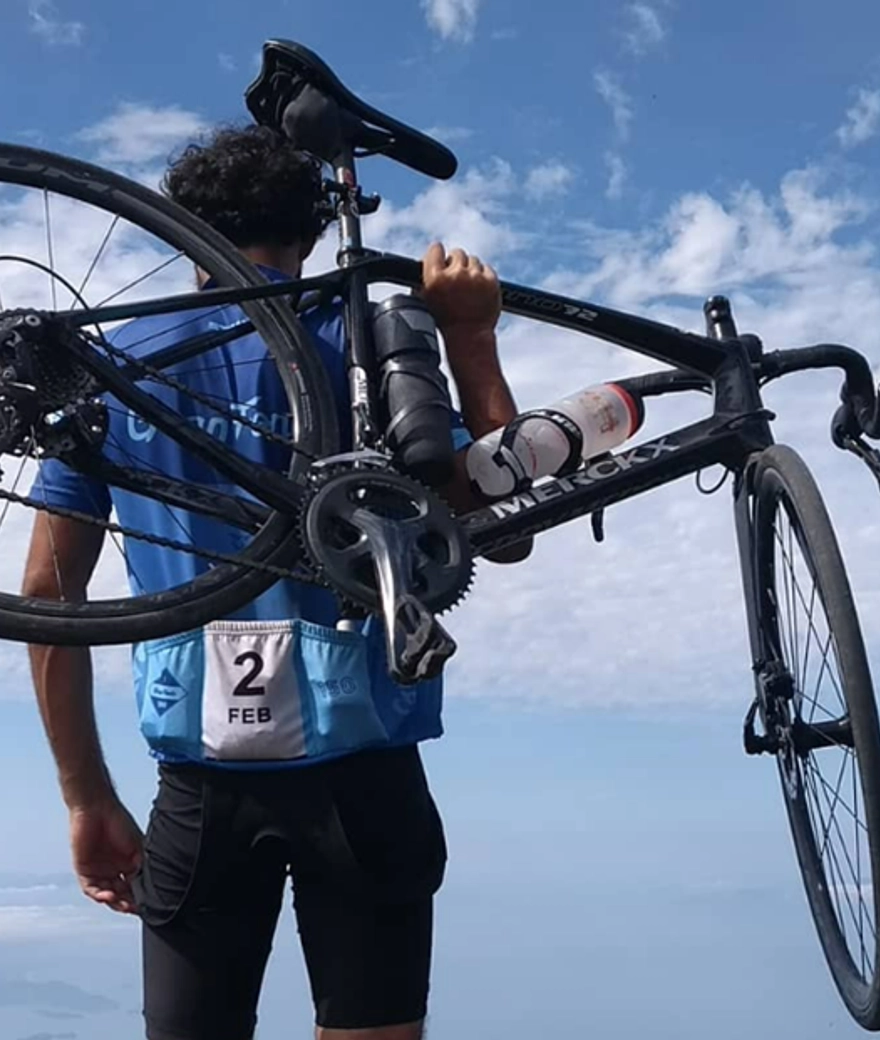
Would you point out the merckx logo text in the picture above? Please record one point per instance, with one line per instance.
(601, 469)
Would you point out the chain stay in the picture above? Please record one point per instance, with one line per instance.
(164, 543)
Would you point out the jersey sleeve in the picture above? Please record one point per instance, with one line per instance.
(56, 484)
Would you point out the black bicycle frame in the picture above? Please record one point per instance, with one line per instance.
(721, 361)
(738, 426)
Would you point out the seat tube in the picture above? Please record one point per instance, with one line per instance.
(359, 354)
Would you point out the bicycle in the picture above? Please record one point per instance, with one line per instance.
(352, 521)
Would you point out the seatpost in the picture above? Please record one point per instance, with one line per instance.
(359, 353)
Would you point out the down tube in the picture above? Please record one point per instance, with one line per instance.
(610, 479)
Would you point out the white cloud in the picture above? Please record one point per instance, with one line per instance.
(452, 19)
(39, 923)
(548, 179)
(450, 134)
(646, 29)
(46, 23)
(226, 62)
(654, 615)
(16, 891)
(471, 212)
(138, 134)
(617, 173)
(617, 99)
(862, 119)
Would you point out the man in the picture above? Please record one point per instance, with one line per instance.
(358, 832)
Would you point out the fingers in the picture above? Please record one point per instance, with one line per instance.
(434, 260)
(458, 258)
(114, 893)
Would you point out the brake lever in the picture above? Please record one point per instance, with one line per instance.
(418, 646)
(843, 437)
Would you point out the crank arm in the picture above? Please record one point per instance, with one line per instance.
(418, 645)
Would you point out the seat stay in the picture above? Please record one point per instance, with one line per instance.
(292, 75)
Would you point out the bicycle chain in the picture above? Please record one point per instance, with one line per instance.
(153, 539)
(196, 395)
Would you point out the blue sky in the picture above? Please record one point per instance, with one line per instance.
(616, 861)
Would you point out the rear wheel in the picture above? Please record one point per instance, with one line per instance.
(77, 236)
(817, 705)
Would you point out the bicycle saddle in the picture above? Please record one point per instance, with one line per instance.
(300, 94)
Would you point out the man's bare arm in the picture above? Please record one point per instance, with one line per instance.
(465, 299)
(62, 556)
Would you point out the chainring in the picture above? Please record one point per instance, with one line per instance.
(340, 549)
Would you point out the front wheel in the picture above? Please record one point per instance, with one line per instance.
(817, 704)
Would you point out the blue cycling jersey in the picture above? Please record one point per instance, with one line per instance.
(275, 684)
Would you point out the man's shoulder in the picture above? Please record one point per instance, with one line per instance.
(326, 318)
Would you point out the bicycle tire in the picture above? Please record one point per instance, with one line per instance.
(783, 481)
(228, 586)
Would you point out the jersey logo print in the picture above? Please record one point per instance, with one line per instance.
(166, 692)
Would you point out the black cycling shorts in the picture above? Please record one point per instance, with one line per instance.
(363, 842)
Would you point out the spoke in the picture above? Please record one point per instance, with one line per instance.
(840, 696)
(120, 548)
(787, 600)
(205, 399)
(827, 787)
(837, 798)
(98, 255)
(139, 462)
(843, 887)
(807, 650)
(856, 878)
(837, 882)
(200, 316)
(18, 476)
(812, 722)
(822, 671)
(220, 367)
(794, 597)
(138, 281)
(50, 251)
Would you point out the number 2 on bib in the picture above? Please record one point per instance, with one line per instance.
(255, 665)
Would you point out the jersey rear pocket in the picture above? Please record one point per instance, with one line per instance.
(257, 691)
(285, 690)
(333, 667)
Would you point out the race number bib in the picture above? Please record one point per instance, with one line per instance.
(251, 706)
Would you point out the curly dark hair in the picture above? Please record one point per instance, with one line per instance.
(250, 184)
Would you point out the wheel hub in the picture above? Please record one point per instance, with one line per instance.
(48, 402)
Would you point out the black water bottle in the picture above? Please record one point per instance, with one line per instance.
(413, 392)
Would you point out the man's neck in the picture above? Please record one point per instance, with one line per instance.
(286, 259)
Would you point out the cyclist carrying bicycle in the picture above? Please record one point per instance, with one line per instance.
(299, 757)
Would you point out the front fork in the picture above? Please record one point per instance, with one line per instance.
(783, 732)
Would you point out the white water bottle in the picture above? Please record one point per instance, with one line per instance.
(551, 442)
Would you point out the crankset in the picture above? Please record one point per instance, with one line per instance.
(389, 546)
